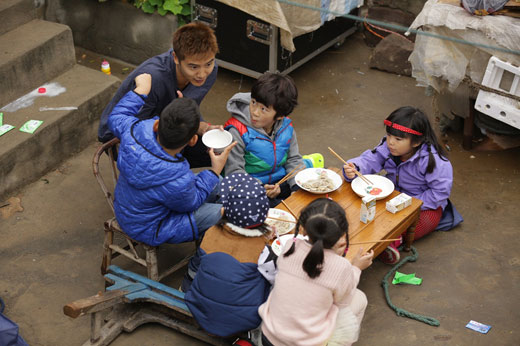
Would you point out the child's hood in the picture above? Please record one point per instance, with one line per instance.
(238, 106)
(142, 160)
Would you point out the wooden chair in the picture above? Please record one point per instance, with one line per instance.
(112, 250)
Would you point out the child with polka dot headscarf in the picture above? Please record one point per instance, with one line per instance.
(223, 286)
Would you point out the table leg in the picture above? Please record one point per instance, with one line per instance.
(409, 236)
(467, 141)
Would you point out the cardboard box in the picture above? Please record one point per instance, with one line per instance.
(368, 208)
(398, 203)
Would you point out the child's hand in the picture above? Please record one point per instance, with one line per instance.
(363, 260)
(272, 191)
(219, 161)
(143, 84)
(350, 170)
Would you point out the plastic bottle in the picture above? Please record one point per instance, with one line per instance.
(105, 67)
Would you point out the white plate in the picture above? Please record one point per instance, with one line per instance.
(385, 184)
(314, 173)
(278, 244)
(281, 227)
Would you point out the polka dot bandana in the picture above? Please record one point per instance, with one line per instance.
(244, 199)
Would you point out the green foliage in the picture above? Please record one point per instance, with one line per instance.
(181, 8)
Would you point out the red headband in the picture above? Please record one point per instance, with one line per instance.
(401, 128)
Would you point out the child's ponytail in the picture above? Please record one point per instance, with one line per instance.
(324, 222)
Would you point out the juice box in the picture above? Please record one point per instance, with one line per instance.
(398, 203)
(368, 208)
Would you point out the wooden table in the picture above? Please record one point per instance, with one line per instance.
(384, 226)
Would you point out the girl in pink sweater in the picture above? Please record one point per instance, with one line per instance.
(315, 300)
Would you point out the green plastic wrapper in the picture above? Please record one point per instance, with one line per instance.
(31, 126)
(5, 128)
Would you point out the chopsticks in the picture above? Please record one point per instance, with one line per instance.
(291, 174)
(278, 219)
(290, 210)
(365, 179)
(373, 242)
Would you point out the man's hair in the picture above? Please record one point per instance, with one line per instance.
(274, 89)
(178, 122)
(194, 39)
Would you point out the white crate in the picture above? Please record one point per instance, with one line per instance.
(496, 106)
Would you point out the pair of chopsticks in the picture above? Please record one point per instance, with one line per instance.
(365, 179)
(278, 219)
(291, 174)
(373, 241)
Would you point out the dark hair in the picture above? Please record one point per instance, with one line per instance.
(178, 122)
(325, 222)
(194, 39)
(415, 119)
(274, 89)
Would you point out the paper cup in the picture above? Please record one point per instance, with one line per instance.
(217, 139)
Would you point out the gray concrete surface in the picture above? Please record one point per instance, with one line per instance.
(50, 253)
(34, 53)
(114, 28)
(14, 13)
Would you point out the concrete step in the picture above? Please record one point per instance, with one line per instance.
(14, 13)
(25, 157)
(32, 54)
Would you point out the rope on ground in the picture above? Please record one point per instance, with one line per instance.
(401, 312)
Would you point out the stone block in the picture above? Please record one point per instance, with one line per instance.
(114, 28)
(26, 157)
(14, 13)
(390, 16)
(391, 55)
(32, 54)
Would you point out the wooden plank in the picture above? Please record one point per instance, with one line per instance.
(100, 301)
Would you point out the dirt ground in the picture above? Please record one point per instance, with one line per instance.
(50, 252)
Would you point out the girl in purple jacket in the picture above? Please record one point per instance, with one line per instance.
(417, 165)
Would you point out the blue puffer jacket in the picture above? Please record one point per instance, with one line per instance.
(225, 294)
(156, 193)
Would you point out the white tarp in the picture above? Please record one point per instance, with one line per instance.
(443, 64)
(293, 20)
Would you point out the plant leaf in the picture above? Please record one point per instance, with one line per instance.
(161, 11)
(186, 10)
(172, 6)
(157, 3)
(148, 8)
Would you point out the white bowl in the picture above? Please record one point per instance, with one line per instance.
(278, 244)
(217, 139)
(360, 187)
(309, 174)
(281, 227)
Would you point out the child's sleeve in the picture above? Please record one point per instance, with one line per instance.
(439, 184)
(124, 113)
(267, 264)
(236, 162)
(347, 284)
(294, 159)
(369, 162)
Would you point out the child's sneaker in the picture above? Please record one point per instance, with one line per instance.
(390, 255)
(314, 160)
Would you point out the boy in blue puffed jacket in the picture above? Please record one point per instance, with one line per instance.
(158, 199)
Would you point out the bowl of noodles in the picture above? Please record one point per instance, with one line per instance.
(318, 180)
(277, 223)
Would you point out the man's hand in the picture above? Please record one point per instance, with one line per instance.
(219, 161)
(143, 84)
(272, 191)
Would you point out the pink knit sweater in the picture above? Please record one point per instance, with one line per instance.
(301, 311)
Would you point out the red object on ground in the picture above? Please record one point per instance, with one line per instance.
(42, 90)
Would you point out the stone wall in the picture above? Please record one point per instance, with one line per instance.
(114, 28)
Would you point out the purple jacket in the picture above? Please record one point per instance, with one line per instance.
(410, 176)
